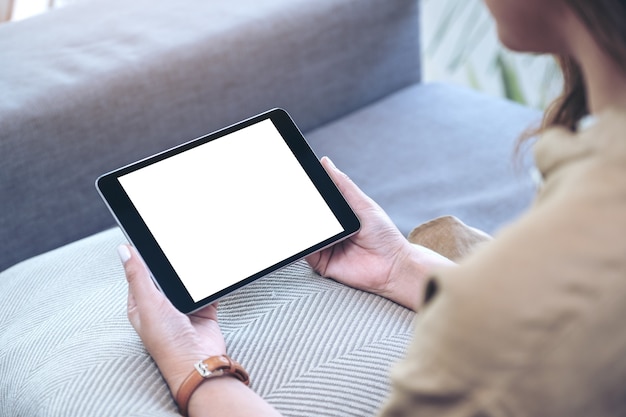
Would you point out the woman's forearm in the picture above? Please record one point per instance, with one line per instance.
(228, 397)
(410, 274)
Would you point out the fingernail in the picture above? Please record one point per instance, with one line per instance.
(124, 253)
(330, 161)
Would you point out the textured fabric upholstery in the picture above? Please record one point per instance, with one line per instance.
(94, 86)
(313, 347)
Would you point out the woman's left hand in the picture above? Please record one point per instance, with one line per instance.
(174, 340)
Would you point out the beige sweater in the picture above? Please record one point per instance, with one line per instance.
(534, 322)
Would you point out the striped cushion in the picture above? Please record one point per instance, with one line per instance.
(312, 346)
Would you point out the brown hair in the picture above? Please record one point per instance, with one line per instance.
(606, 20)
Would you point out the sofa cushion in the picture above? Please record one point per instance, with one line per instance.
(311, 345)
(82, 96)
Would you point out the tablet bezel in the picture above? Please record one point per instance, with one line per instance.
(139, 235)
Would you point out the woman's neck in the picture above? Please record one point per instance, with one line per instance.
(605, 81)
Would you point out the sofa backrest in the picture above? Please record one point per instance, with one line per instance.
(93, 86)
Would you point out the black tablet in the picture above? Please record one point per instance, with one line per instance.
(219, 212)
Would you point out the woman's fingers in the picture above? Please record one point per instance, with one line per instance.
(143, 296)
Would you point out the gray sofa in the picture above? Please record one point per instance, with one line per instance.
(94, 86)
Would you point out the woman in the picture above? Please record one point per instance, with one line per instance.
(547, 337)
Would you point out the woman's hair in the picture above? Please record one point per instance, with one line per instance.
(606, 20)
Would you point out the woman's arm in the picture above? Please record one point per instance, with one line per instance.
(228, 397)
(177, 341)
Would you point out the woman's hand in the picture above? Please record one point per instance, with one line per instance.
(378, 258)
(174, 340)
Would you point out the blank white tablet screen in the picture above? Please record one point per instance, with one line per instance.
(230, 208)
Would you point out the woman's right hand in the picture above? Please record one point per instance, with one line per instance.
(377, 259)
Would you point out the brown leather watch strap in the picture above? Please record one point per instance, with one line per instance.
(213, 367)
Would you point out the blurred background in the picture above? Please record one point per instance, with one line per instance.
(459, 45)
